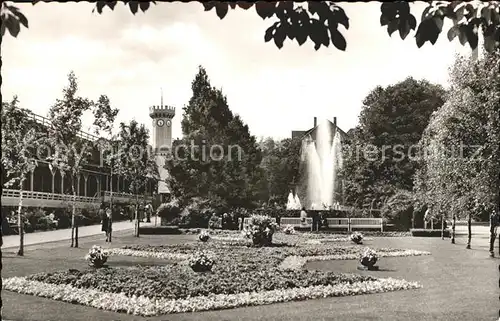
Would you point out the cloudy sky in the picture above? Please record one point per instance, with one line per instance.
(129, 58)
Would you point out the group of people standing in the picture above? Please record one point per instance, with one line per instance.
(318, 219)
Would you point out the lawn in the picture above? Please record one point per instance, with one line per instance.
(243, 275)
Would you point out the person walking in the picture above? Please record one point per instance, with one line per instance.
(494, 222)
(106, 226)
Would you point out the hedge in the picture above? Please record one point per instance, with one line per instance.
(429, 233)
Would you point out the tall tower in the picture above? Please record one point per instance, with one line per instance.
(162, 127)
(162, 140)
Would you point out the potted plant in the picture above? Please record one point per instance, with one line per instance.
(357, 238)
(204, 236)
(96, 257)
(200, 262)
(368, 258)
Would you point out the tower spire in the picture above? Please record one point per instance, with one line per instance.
(161, 91)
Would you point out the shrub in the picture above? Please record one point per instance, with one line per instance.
(289, 229)
(96, 257)
(44, 224)
(200, 262)
(357, 238)
(399, 209)
(261, 229)
(368, 257)
(34, 215)
(169, 211)
(204, 236)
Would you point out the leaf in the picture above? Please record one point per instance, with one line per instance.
(270, 32)
(453, 32)
(209, 5)
(99, 6)
(384, 20)
(341, 17)
(472, 37)
(12, 24)
(221, 8)
(265, 9)
(404, 29)
(393, 26)
(438, 22)
(338, 40)
(300, 35)
(144, 5)
(412, 21)
(462, 36)
(279, 36)
(245, 4)
(134, 6)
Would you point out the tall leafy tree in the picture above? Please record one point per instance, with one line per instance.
(134, 160)
(281, 163)
(19, 140)
(70, 151)
(320, 20)
(217, 158)
(460, 173)
(381, 157)
(104, 118)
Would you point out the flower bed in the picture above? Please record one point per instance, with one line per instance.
(297, 262)
(144, 306)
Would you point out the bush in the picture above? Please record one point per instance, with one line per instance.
(398, 210)
(34, 216)
(429, 233)
(169, 212)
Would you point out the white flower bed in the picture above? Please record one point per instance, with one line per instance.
(159, 255)
(144, 306)
(297, 262)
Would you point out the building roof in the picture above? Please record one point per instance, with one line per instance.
(302, 133)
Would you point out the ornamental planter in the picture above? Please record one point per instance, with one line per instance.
(200, 268)
(368, 259)
(98, 262)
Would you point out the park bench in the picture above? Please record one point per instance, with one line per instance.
(366, 223)
(296, 222)
(338, 223)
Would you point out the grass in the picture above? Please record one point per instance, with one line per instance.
(473, 286)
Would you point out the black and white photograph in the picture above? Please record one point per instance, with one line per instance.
(250, 160)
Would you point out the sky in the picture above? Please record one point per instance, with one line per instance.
(132, 58)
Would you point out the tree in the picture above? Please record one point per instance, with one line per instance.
(18, 154)
(460, 174)
(319, 20)
(217, 158)
(381, 157)
(70, 151)
(134, 160)
(281, 163)
(104, 118)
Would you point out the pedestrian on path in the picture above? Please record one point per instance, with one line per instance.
(494, 222)
(105, 220)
